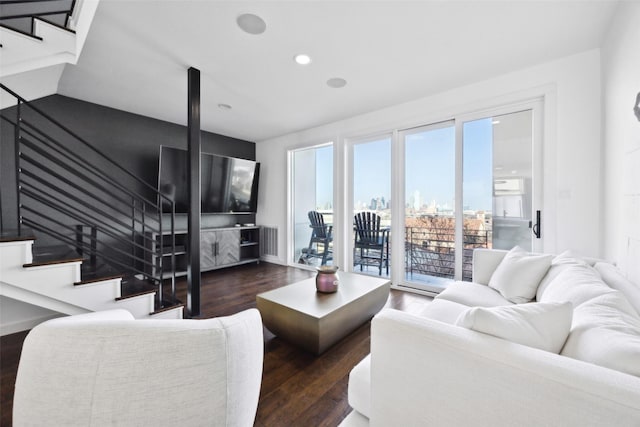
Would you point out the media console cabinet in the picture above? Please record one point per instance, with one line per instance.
(219, 248)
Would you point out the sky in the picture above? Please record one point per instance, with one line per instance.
(429, 166)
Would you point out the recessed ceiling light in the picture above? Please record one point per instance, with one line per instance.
(302, 59)
(495, 122)
(336, 82)
(252, 24)
(224, 106)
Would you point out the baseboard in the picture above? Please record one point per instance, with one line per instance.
(26, 324)
(272, 259)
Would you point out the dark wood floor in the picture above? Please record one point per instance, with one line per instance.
(298, 388)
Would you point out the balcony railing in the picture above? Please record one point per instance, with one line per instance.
(430, 251)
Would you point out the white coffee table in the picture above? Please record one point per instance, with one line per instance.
(315, 321)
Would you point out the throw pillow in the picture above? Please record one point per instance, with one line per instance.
(518, 275)
(539, 325)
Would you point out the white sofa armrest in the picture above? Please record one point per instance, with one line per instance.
(107, 368)
(106, 315)
(485, 262)
(424, 372)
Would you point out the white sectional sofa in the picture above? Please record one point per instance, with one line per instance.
(474, 357)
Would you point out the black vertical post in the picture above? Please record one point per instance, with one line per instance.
(93, 260)
(193, 220)
(79, 239)
(18, 171)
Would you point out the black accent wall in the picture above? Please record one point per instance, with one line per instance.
(131, 140)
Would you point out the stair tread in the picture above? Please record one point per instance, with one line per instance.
(41, 263)
(16, 236)
(133, 287)
(51, 260)
(100, 271)
(168, 305)
(98, 279)
(51, 255)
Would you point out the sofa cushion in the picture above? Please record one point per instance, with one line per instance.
(613, 277)
(539, 325)
(558, 264)
(443, 310)
(571, 254)
(606, 332)
(576, 283)
(518, 275)
(473, 295)
(359, 390)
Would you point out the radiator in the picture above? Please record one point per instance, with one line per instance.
(268, 241)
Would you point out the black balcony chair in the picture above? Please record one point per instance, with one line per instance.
(371, 241)
(321, 237)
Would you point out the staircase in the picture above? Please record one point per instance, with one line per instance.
(41, 33)
(94, 221)
(56, 284)
(80, 240)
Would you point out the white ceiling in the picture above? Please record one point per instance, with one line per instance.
(137, 54)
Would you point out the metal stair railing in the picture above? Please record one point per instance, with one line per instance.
(77, 194)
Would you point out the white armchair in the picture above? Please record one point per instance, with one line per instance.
(106, 368)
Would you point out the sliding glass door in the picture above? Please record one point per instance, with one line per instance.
(370, 241)
(498, 183)
(312, 191)
(429, 214)
(415, 203)
(473, 182)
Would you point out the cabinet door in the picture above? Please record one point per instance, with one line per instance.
(208, 245)
(228, 247)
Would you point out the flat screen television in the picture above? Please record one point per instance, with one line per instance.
(227, 184)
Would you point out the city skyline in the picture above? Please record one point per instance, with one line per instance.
(429, 168)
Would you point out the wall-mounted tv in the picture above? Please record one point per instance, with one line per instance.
(227, 184)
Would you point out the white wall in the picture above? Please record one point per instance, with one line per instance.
(572, 145)
(32, 84)
(16, 316)
(621, 84)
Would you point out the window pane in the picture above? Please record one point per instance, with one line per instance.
(497, 176)
(312, 183)
(372, 193)
(429, 209)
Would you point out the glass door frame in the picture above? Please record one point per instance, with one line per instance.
(536, 105)
(343, 191)
(291, 202)
(346, 238)
(400, 214)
